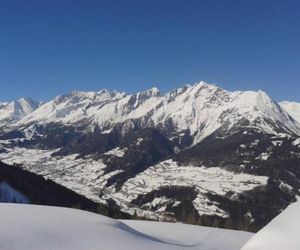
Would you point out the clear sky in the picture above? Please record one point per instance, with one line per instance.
(49, 47)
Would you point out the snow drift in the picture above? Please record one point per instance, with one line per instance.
(282, 233)
(46, 228)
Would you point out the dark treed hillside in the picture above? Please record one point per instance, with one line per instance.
(46, 192)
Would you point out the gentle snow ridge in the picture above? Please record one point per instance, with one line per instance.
(31, 227)
(282, 233)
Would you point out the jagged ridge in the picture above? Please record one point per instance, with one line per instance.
(199, 109)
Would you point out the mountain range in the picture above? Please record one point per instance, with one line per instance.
(198, 154)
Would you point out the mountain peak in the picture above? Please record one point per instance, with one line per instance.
(30, 103)
(14, 111)
(204, 84)
(201, 109)
(154, 91)
(150, 92)
(293, 108)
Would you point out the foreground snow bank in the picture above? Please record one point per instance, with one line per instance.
(192, 237)
(282, 233)
(31, 227)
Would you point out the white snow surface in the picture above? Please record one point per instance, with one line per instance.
(119, 152)
(200, 108)
(297, 142)
(293, 108)
(282, 233)
(32, 227)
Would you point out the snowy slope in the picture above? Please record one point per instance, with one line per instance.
(281, 233)
(293, 108)
(14, 111)
(49, 228)
(183, 234)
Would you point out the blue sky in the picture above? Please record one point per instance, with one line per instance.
(51, 47)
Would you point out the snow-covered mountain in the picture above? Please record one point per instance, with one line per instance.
(200, 110)
(11, 112)
(195, 154)
(293, 108)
